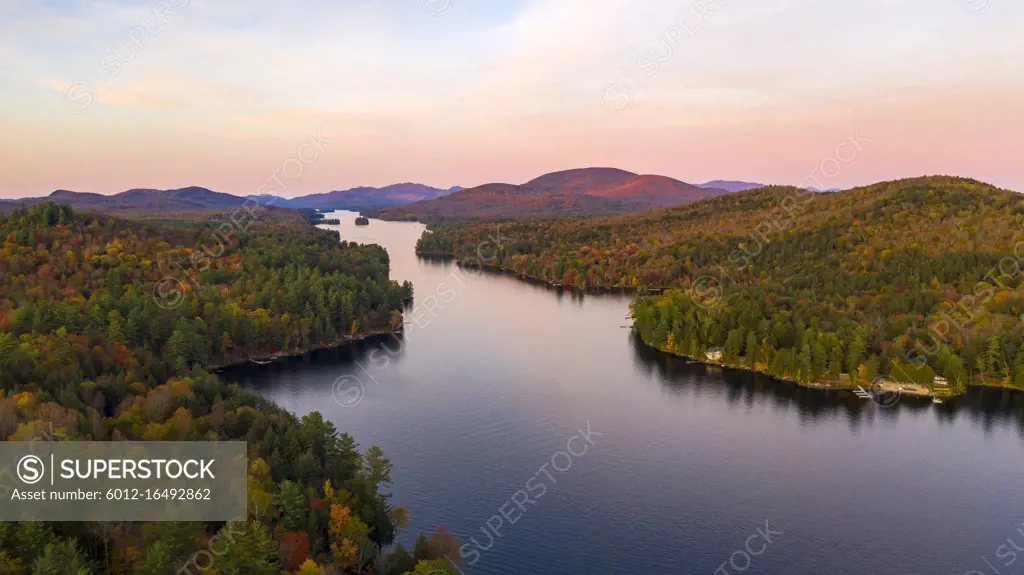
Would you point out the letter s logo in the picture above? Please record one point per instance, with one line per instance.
(30, 469)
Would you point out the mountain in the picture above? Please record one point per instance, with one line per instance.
(192, 198)
(195, 198)
(181, 199)
(367, 198)
(586, 191)
(731, 185)
(618, 184)
(908, 279)
(579, 180)
(500, 201)
(577, 192)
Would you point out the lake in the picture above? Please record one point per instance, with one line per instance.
(685, 468)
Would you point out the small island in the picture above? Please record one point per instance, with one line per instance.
(317, 219)
(362, 221)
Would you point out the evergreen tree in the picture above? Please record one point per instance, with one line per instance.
(805, 363)
(157, 561)
(61, 558)
(751, 350)
(421, 550)
(994, 363)
(248, 550)
(733, 345)
(294, 507)
(855, 353)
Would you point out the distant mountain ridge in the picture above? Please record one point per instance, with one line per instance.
(368, 198)
(731, 186)
(190, 198)
(196, 198)
(575, 192)
(851, 286)
(581, 191)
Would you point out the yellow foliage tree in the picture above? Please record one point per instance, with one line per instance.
(309, 567)
(260, 486)
(350, 539)
(865, 373)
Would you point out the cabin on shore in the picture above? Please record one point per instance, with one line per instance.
(713, 354)
(915, 389)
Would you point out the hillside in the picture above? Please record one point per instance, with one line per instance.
(367, 198)
(731, 185)
(580, 180)
(578, 192)
(105, 327)
(618, 184)
(141, 200)
(194, 198)
(503, 201)
(804, 285)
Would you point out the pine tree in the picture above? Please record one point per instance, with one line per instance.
(179, 539)
(994, 357)
(399, 561)
(856, 350)
(805, 363)
(751, 350)
(25, 540)
(294, 508)
(421, 550)
(733, 345)
(157, 561)
(316, 544)
(62, 558)
(249, 550)
(780, 363)
(115, 327)
(378, 468)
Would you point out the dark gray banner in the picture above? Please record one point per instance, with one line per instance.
(123, 481)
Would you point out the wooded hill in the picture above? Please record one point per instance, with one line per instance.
(803, 285)
(105, 326)
(195, 198)
(577, 192)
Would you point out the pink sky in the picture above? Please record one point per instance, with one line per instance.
(223, 96)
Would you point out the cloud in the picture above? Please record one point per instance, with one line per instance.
(464, 96)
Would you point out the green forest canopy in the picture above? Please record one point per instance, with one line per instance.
(910, 279)
(105, 328)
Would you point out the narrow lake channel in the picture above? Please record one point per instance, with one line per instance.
(484, 399)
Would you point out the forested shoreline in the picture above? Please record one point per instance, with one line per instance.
(106, 328)
(910, 280)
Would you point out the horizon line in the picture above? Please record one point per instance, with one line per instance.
(411, 182)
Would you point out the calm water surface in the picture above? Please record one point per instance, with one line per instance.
(491, 383)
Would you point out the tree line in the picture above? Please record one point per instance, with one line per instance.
(910, 279)
(91, 350)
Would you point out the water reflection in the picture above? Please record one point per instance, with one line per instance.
(990, 408)
(693, 455)
(318, 367)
